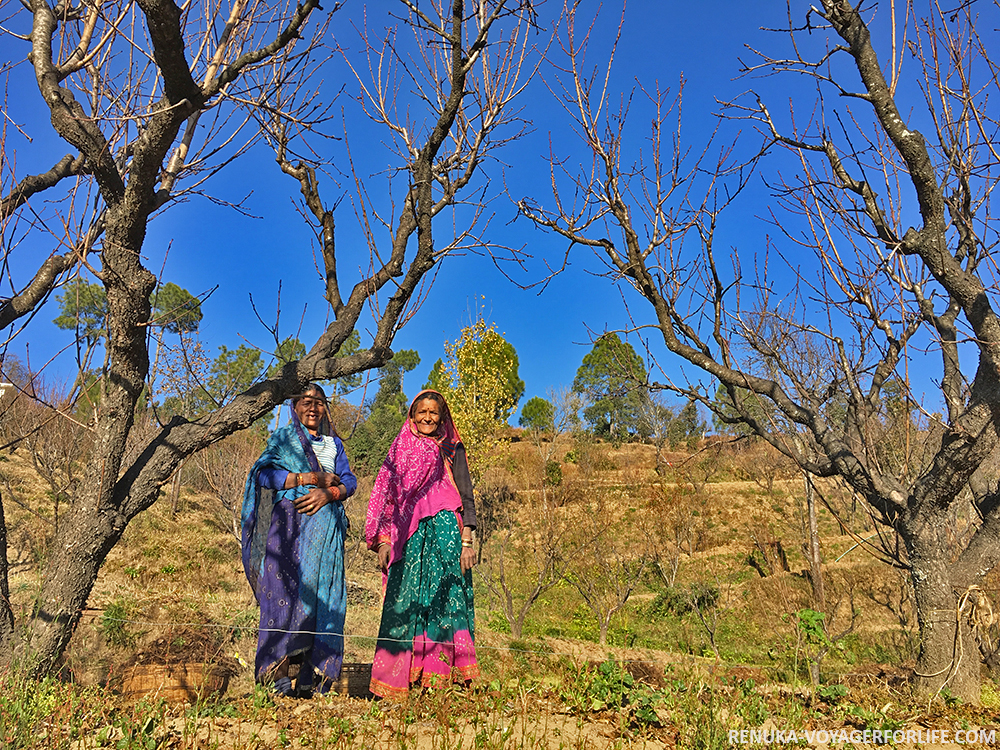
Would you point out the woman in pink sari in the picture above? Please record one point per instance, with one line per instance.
(420, 520)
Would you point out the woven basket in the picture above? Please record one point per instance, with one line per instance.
(354, 680)
(175, 683)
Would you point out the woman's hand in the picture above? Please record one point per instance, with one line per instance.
(315, 499)
(321, 479)
(325, 479)
(384, 550)
(467, 559)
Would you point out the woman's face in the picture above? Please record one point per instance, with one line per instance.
(310, 410)
(427, 416)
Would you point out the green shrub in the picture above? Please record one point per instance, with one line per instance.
(553, 474)
(604, 463)
(679, 600)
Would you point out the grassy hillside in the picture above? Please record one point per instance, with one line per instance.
(717, 630)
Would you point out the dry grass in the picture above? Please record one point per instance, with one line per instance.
(175, 588)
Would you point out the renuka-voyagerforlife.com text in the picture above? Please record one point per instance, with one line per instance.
(862, 736)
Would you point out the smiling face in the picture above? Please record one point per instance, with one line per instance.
(427, 416)
(311, 409)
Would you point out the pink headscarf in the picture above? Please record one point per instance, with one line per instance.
(415, 481)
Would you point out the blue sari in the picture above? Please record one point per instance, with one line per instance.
(295, 562)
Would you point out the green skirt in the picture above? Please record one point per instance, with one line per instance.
(427, 630)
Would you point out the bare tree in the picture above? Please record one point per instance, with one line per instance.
(523, 556)
(606, 562)
(224, 467)
(881, 201)
(523, 550)
(153, 99)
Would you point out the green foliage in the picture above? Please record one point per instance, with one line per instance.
(231, 373)
(553, 474)
(876, 719)
(341, 729)
(479, 378)
(391, 380)
(135, 730)
(811, 624)
(725, 412)
(538, 414)
(438, 379)
(176, 309)
(480, 372)
(114, 625)
(610, 686)
(26, 705)
(386, 414)
(831, 693)
(289, 350)
(351, 345)
(613, 378)
(679, 600)
(750, 704)
(686, 427)
(83, 307)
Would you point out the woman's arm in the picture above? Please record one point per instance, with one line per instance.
(463, 481)
(348, 482)
(275, 478)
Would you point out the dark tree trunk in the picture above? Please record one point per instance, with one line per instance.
(6, 611)
(86, 540)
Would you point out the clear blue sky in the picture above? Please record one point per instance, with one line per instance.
(210, 244)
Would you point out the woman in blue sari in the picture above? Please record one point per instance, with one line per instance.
(294, 527)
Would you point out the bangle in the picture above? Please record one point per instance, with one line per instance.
(466, 542)
(298, 480)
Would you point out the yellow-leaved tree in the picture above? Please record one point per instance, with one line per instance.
(479, 378)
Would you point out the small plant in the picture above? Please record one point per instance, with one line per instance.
(831, 693)
(877, 719)
(114, 624)
(341, 728)
(813, 641)
(751, 704)
(610, 686)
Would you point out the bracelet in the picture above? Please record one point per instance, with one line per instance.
(466, 542)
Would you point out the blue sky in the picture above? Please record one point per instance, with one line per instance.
(249, 256)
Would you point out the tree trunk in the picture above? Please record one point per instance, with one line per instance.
(946, 663)
(175, 490)
(517, 626)
(85, 543)
(812, 546)
(6, 612)
(814, 676)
